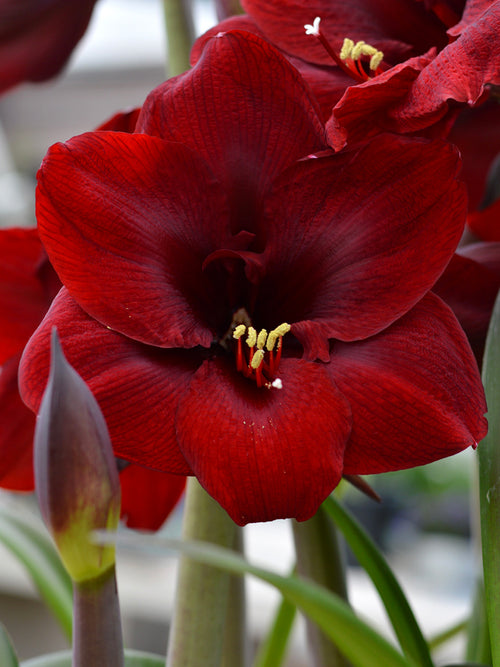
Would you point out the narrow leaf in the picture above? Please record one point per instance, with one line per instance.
(272, 651)
(489, 483)
(373, 562)
(28, 540)
(8, 656)
(360, 643)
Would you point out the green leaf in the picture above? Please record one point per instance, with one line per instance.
(27, 539)
(8, 657)
(272, 651)
(359, 642)
(489, 483)
(63, 659)
(373, 562)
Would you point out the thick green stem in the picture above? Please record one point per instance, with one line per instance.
(236, 645)
(320, 559)
(97, 631)
(198, 631)
(489, 484)
(180, 35)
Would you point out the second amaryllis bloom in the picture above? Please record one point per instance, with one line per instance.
(247, 306)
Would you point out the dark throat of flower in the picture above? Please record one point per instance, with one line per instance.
(359, 60)
(258, 353)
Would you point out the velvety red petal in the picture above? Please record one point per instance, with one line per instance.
(23, 296)
(37, 38)
(245, 110)
(472, 11)
(123, 121)
(127, 221)
(353, 245)
(148, 496)
(459, 73)
(16, 434)
(476, 132)
(137, 387)
(264, 454)
(397, 27)
(415, 392)
(366, 109)
(469, 286)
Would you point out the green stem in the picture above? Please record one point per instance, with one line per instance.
(236, 646)
(180, 35)
(319, 558)
(489, 484)
(198, 629)
(97, 631)
(227, 8)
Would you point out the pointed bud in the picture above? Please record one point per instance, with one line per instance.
(76, 477)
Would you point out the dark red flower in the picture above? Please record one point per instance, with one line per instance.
(427, 76)
(174, 243)
(38, 36)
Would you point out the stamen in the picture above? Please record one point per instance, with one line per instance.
(347, 47)
(257, 359)
(239, 331)
(261, 339)
(252, 337)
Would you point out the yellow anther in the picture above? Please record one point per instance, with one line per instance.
(261, 339)
(252, 337)
(281, 330)
(358, 50)
(375, 60)
(346, 50)
(257, 358)
(239, 331)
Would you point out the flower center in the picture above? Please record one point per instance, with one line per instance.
(360, 60)
(258, 355)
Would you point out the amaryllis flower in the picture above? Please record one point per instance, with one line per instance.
(38, 36)
(393, 66)
(28, 283)
(249, 307)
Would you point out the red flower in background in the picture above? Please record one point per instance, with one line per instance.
(38, 36)
(245, 313)
(427, 76)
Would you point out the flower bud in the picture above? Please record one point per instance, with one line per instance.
(76, 477)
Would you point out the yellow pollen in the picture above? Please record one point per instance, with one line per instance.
(347, 47)
(252, 337)
(261, 339)
(375, 60)
(280, 331)
(257, 359)
(361, 48)
(239, 331)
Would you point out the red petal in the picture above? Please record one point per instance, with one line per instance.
(137, 387)
(469, 286)
(459, 73)
(127, 220)
(264, 454)
(16, 434)
(353, 246)
(247, 112)
(414, 390)
(23, 297)
(148, 496)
